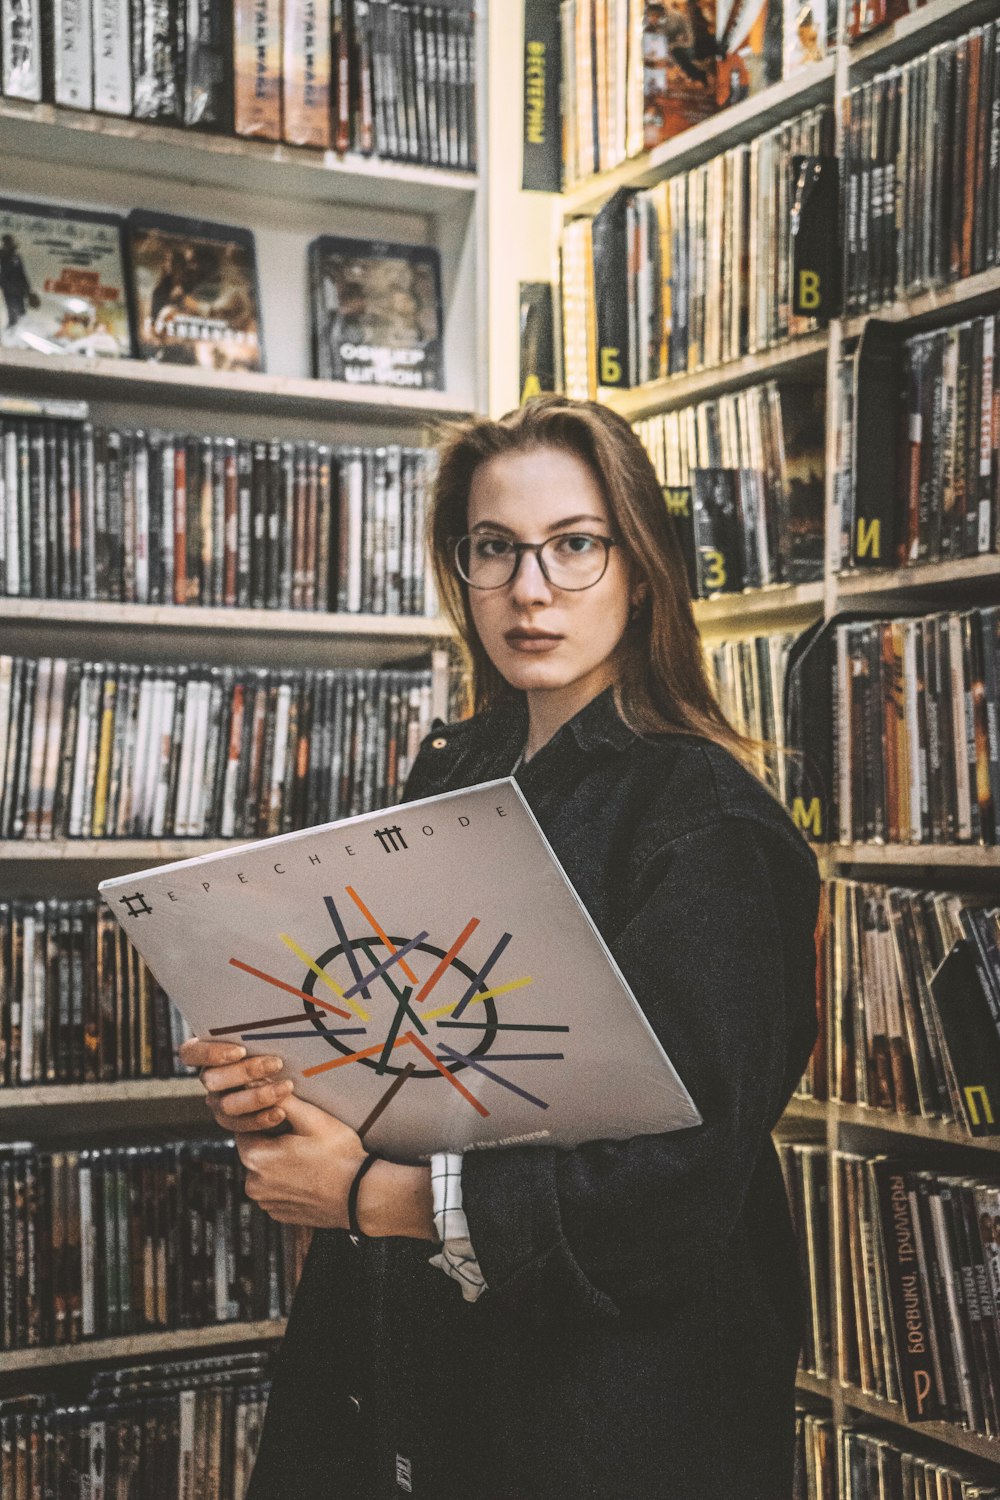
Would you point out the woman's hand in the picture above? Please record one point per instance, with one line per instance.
(304, 1177)
(241, 1092)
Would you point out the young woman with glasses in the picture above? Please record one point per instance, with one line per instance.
(622, 1320)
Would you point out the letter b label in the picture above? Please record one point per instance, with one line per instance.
(809, 290)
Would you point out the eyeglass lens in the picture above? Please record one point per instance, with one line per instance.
(571, 561)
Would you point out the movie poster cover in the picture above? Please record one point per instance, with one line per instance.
(62, 282)
(749, 40)
(195, 294)
(679, 56)
(377, 313)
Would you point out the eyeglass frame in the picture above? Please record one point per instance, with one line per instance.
(520, 548)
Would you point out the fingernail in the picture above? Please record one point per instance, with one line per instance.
(234, 1054)
(273, 1065)
(276, 1116)
(286, 1087)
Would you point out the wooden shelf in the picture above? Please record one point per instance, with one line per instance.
(78, 139)
(941, 1432)
(939, 305)
(178, 1342)
(915, 33)
(794, 357)
(804, 1109)
(920, 577)
(925, 856)
(258, 393)
(740, 122)
(815, 1385)
(915, 1127)
(788, 604)
(137, 852)
(237, 621)
(132, 1091)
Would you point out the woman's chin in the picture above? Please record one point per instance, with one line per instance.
(527, 675)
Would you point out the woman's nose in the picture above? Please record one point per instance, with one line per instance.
(530, 583)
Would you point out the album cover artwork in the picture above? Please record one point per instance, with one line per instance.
(376, 311)
(62, 284)
(195, 293)
(398, 961)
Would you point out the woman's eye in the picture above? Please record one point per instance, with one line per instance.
(575, 544)
(491, 546)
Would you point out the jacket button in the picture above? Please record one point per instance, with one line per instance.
(355, 1402)
(438, 744)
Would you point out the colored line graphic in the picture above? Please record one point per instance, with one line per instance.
(394, 974)
(362, 908)
(472, 1062)
(387, 1098)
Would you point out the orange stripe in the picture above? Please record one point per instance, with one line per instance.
(290, 989)
(339, 1062)
(459, 943)
(412, 1037)
(362, 908)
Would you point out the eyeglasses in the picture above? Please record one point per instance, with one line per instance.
(571, 560)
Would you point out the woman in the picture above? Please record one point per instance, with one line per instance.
(622, 1320)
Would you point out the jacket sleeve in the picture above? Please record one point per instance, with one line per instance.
(720, 955)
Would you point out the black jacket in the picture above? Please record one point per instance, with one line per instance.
(641, 1329)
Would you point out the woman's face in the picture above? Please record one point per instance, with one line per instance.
(538, 636)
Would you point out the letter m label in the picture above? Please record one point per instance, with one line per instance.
(808, 817)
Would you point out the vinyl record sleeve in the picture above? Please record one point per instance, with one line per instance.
(377, 313)
(195, 293)
(441, 933)
(62, 282)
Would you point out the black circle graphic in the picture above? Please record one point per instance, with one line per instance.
(325, 1022)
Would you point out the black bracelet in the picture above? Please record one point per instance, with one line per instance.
(357, 1233)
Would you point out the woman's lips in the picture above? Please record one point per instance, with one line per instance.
(532, 644)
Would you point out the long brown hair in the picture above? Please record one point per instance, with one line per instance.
(663, 686)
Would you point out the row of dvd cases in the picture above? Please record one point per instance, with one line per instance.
(319, 590)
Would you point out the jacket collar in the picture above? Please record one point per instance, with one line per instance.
(502, 732)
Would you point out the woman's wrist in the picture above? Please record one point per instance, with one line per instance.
(394, 1199)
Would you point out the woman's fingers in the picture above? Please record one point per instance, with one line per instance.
(198, 1053)
(246, 1124)
(240, 1075)
(247, 1101)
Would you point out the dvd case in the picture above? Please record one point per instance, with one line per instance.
(112, 57)
(306, 69)
(257, 64)
(62, 281)
(377, 313)
(195, 294)
(72, 54)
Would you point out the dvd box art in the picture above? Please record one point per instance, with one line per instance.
(62, 284)
(749, 47)
(72, 54)
(22, 49)
(112, 61)
(679, 54)
(156, 93)
(195, 294)
(306, 74)
(207, 50)
(257, 66)
(377, 313)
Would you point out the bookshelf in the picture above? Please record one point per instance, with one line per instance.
(286, 196)
(959, 583)
(813, 85)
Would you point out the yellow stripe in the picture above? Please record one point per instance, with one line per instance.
(321, 974)
(501, 989)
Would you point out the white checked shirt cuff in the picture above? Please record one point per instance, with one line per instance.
(456, 1257)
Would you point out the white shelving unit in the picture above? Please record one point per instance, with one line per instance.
(287, 196)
